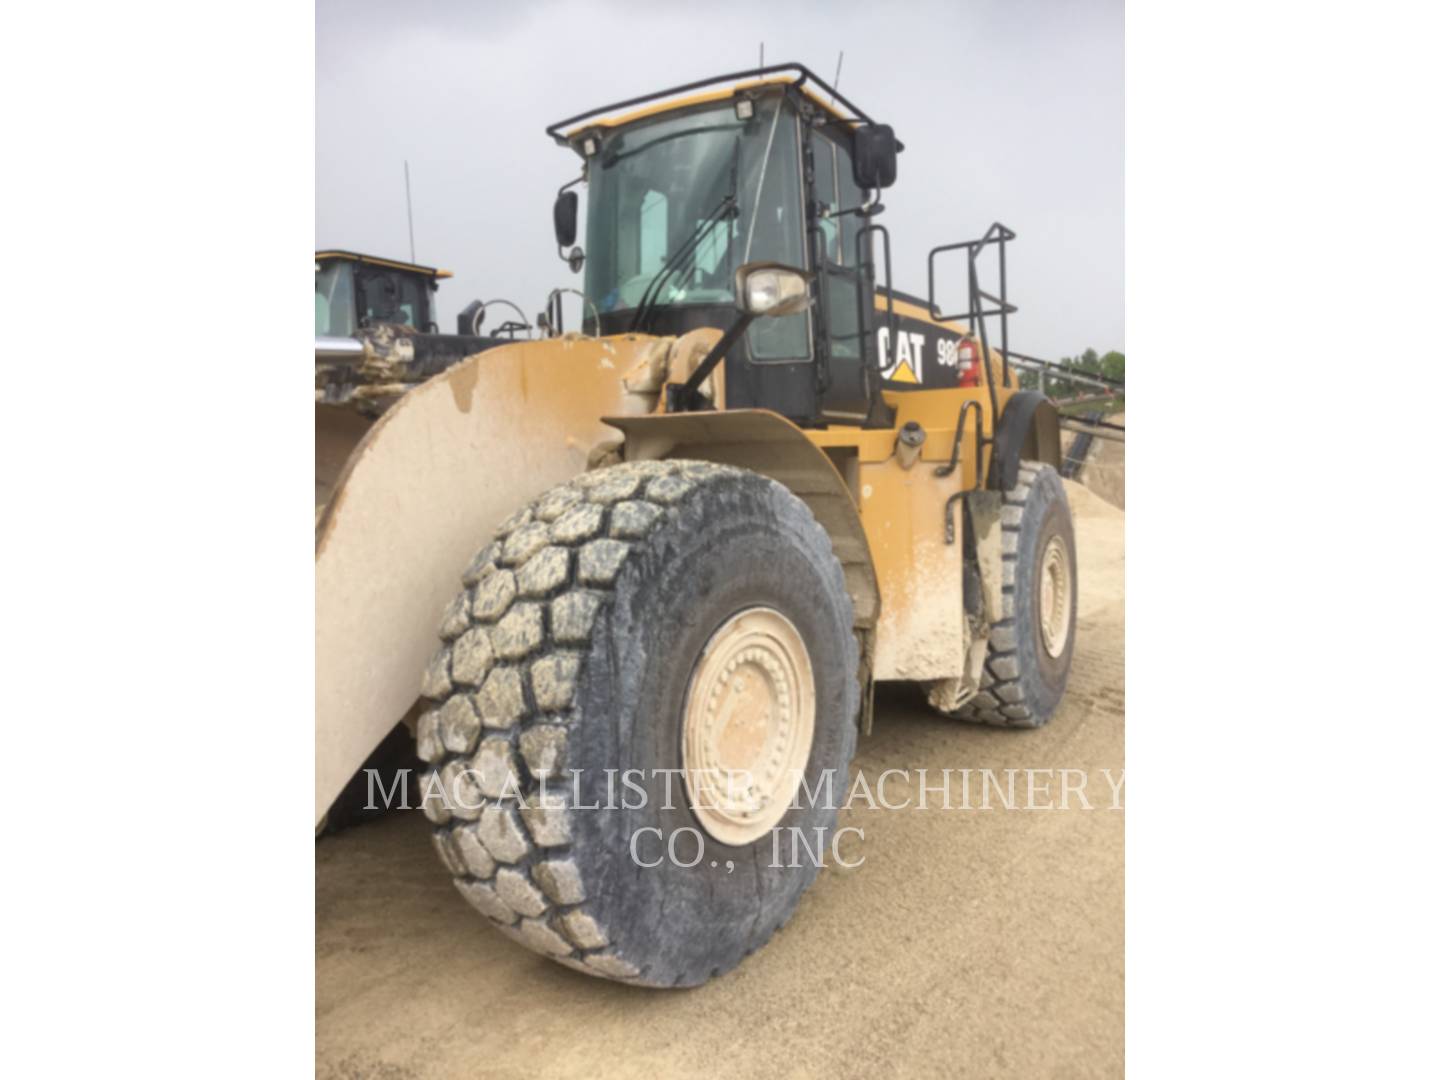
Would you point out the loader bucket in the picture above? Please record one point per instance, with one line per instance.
(338, 430)
(419, 492)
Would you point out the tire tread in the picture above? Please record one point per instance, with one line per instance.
(529, 840)
(1001, 701)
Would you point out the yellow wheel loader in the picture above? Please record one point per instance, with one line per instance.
(670, 554)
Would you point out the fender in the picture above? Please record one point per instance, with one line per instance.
(1029, 428)
(767, 443)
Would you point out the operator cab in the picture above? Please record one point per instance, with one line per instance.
(354, 292)
(680, 197)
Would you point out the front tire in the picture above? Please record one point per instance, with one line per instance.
(587, 640)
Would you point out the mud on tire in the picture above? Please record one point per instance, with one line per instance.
(568, 654)
(1023, 682)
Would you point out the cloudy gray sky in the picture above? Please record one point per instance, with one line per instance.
(1009, 111)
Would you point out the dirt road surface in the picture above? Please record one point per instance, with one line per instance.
(970, 943)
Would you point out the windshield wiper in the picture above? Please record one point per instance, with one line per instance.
(683, 255)
(727, 208)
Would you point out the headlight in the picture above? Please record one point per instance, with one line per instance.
(772, 289)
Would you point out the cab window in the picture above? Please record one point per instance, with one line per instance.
(677, 203)
(334, 300)
(828, 198)
(773, 186)
(835, 189)
(654, 231)
(391, 297)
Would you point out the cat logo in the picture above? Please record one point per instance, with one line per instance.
(906, 365)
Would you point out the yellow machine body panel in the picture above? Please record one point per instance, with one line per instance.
(921, 632)
(914, 582)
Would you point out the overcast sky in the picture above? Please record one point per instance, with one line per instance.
(1009, 111)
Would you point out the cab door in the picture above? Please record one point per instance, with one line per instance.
(846, 293)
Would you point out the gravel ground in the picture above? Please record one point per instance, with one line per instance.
(971, 942)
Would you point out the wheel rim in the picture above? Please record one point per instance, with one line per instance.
(749, 725)
(1055, 593)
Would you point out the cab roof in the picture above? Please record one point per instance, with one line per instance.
(331, 254)
(718, 88)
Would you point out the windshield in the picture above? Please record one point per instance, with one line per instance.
(334, 299)
(652, 189)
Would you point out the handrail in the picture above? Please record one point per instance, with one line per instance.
(1060, 371)
(977, 315)
(863, 243)
(981, 441)
(806, 75)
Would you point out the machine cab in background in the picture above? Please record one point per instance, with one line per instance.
(354, 291)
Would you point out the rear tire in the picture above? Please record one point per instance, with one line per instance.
(570, 653)
(1028, 662)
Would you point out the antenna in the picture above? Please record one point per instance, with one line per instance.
(835, 86)
(762, 54)
(409, 217)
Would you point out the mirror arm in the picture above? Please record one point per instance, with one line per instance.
(865, 210)
(574, 258)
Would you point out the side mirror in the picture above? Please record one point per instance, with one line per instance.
(876, 149)
(567, 211)
(771, 289)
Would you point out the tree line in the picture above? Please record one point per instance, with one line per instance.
(1089, 362)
